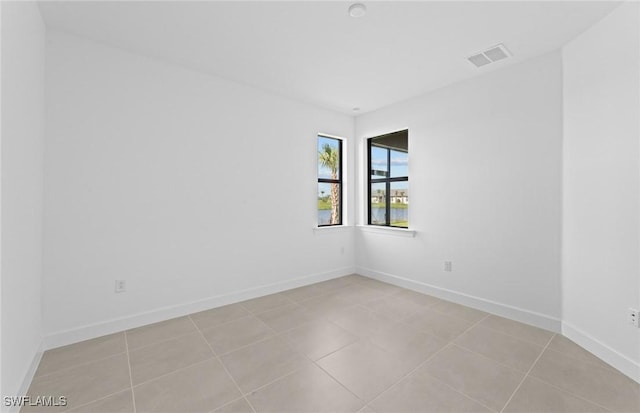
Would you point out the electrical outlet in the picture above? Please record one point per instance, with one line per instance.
(448, 266)
(633, 317)
(121, 286)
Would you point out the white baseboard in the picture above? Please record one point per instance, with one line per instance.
(599, 349)
(609, 355)
(62, 338)
(504, 310)
(28, 378)
(619, 361)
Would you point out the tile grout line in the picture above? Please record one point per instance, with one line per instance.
(404, 320)
(73, 409)
(364, 403)
(248, 313)
(320, 318)
(566, 390)
(84, 363)
(274, 333)
(269, 383)
(308, 359)
(164, 340)
(398, 319)
(499, 333)
(359, 338)
(338, 349)
(314, 362)
(462, 347)
(560, 389)
(358, 304)
(450, 343)
(303, 298)
(362, 305)
(487, 315)
(245, 346)
(588, 362)
(495, 329)
(267, 309)
(517, 337)
(215, 355)
(133, 395)
(438, 380)
(178, 369)
(462, 393)
(174, 371)
(527, 374)
(457, 316)
(311, 319)
(283, 336)
(226, 404)
(226, 322)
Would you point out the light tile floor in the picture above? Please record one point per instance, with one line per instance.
(346, 345)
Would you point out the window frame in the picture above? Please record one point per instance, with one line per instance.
(339, 181)
(387, 181)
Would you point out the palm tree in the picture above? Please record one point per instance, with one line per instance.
(329, 158)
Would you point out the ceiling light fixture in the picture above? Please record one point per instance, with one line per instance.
(357, 10)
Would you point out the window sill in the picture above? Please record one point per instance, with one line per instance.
(399, 232)
(331, 229)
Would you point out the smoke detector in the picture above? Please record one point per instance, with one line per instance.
(491, 55)
(357, 10)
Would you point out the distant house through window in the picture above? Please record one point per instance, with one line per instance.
(329, 181)
(388, 186)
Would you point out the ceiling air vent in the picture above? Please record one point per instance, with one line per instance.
(490, 55)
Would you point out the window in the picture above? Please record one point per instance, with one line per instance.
(388, 198)
(329, 181)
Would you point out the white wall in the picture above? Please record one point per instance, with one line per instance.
(187, 186)
(601, 188)
(485, 193)
(23, 43)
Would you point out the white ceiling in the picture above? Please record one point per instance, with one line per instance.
(314, 52)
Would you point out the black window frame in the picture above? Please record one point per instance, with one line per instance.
(338, 181)
(386, 180)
